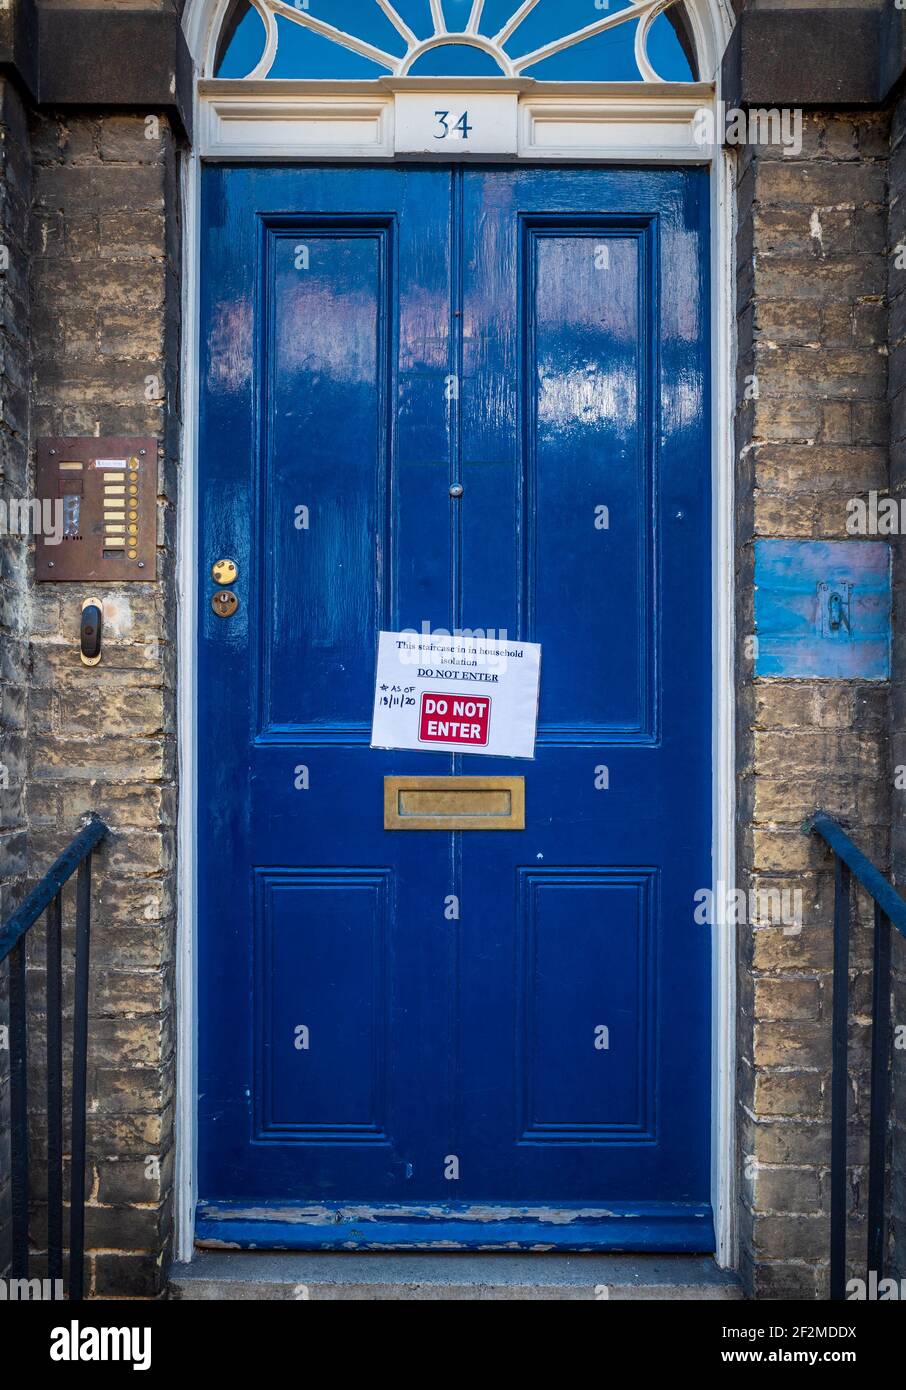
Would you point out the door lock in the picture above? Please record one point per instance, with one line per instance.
(225, 603)
(224, 571)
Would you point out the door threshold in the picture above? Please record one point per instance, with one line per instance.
(665, 1227)
(416, 1276)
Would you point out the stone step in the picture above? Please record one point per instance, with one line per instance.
(423, 1276)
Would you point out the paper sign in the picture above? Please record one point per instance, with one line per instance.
(456, 694)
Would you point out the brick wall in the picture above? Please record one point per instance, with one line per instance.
(812, 433)
(14, 204)
(897, 393)
(105, 301)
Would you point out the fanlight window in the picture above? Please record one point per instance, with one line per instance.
(551, 40)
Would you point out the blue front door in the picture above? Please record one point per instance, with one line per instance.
(472, 1037)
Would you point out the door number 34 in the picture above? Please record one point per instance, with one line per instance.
(448, 131)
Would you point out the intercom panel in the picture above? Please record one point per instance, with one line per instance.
(98, 509)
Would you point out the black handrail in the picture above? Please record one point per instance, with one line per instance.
(850, 862)
(47, 896)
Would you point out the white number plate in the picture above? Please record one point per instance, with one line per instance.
(454, 125)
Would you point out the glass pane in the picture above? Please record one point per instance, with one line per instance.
(456, 14)
(362, 18)
(242, 42)
(302, 53)
(417, 14)
(610, 57)
(666, 54)
(551, 19)
(495, 14)
(455, 60)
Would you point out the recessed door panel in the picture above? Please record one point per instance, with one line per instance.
(324, 522)
(588, 487)
(587, 1004)
(320, 976)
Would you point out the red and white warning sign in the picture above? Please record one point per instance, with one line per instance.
(453, 692)
(454, 719)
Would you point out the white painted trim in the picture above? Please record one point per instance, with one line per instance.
(723, 955)
(187, 671)
(474, 16)
(306, 127)
(712, 23)
(641, 122)
(633, 128)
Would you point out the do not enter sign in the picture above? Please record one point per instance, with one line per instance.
(453, 719)
(433, 691)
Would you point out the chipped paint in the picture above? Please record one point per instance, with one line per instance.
(342, 1215)
(665, 1226)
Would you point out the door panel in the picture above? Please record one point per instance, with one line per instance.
(585, 438)
(307, 905)
(327, 357)
(599, 358)
(474, 1037)
(585, 938)
(328, 934)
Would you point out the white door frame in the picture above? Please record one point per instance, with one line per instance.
(650, 123)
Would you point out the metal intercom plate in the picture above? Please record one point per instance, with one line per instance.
(101, 521)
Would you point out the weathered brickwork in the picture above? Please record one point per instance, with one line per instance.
(897, 391)
(105, 298)
(15, 195)
(811, 432)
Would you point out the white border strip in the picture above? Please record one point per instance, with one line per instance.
(186, 686)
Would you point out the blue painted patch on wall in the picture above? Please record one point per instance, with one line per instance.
(822, 609)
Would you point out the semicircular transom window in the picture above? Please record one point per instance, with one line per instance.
(551, 40)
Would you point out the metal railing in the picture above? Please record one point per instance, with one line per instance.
(46, 896)
(889, 907)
